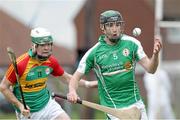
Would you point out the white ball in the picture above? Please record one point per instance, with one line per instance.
(136, 31)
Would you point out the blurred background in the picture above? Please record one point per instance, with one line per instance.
(75, 28)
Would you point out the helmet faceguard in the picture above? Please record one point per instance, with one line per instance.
(42, 40)
(112, 16)
(41, 36)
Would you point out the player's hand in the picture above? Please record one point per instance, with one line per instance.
(72, 96)
(157, 45)
(25, 112)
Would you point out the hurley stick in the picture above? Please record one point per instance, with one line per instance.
(12, 57)
(127, 113)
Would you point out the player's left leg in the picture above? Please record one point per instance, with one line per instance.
(56, 112)
(52, 111)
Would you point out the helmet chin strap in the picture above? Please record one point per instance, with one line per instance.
(42, 58)
(114, 40)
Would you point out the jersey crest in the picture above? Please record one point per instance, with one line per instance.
(126, 52)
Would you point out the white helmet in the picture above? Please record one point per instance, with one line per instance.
(41, 35)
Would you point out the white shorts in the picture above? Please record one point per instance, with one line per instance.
(140, 105)
(49, 112)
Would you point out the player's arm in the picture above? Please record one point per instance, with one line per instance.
(73, 86)
(5, 90)
(151, 64)
(66, 77)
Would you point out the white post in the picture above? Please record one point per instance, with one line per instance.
(158, 17)
(158, 14)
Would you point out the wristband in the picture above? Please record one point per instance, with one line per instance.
(87, 84)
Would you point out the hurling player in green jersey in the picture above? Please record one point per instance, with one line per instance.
(34, 68)
(113, 59)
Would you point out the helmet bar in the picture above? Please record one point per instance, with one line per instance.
(110, 16)
(42, 40)
(111, 19)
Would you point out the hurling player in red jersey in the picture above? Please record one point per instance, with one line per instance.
(34, 67)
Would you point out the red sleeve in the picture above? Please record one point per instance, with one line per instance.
(21, 65)
(10, 74)
(57, 69)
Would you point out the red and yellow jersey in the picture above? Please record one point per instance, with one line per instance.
(33, 75)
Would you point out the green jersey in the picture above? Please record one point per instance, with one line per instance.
(115, 70)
